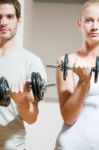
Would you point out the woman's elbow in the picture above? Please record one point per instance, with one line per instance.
(68, 119)
(32, 120)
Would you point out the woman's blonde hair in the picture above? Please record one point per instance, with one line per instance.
(90, 2)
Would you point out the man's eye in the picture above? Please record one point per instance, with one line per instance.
(10, 16)
(0, 17)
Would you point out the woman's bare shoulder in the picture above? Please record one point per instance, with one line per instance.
(71, 56)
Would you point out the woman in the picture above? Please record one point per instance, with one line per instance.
(78, 94)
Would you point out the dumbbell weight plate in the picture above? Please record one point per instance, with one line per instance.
(4, 92)
(37, 86)
(96, 69)
(64, 66)
(40, 86)
(33, 83)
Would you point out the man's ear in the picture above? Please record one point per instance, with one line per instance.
(19, 21)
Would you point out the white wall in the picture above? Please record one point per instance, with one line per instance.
(42, 134)
(19, 35)
(50, 31)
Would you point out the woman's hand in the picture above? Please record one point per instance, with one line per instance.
(83, 70)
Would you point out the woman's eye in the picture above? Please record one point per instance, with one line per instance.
(89, 20)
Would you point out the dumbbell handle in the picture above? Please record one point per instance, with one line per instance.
(54, 66)
(59, 66)
(67, 66)
(49, 85)
(45, 85)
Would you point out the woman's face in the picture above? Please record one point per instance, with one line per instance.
(89, 23)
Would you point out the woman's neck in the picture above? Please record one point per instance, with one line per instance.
(91, 48)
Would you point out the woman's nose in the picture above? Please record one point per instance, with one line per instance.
(95, 26)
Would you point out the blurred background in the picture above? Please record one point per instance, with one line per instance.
(49, 30)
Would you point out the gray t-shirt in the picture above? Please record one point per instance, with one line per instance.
(16, 66)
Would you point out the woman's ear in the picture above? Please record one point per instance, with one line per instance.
(78, 23)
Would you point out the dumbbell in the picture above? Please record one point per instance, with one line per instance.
(4, 92)
(64, 66)
(37, 84)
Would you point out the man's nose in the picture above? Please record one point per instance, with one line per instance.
(3, 21)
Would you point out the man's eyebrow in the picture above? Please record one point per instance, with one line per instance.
(9, 14)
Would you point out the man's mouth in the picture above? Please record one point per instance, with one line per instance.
(3, 30)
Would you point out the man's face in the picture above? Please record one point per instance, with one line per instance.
(90, 23)
(8, 22)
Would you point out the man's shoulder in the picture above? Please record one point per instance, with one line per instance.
(28, 54)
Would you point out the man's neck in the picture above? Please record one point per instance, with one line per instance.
(7, 47)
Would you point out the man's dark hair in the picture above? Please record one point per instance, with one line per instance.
(16, 5)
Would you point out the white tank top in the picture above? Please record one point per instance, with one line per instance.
(84, 133)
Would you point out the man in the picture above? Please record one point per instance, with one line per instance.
(16, 64)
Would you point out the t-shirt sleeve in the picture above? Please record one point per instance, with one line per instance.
(36, 65)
